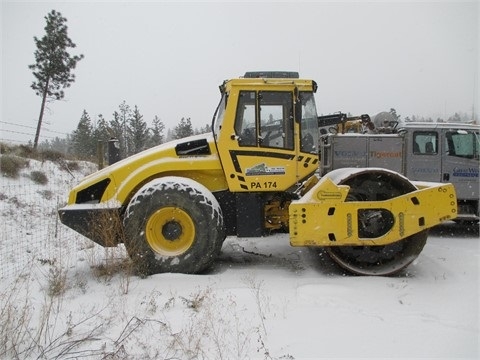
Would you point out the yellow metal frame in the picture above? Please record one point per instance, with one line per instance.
(323, 217)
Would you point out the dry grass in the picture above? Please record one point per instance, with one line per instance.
(39, 177)
(10, 165)
(213, 325)
(114, 260)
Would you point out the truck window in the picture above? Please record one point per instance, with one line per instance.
(462, 143)
(425, 142)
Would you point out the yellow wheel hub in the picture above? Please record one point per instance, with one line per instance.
(170, 231)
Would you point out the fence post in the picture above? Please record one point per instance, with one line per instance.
(100, 156)
(113, 151)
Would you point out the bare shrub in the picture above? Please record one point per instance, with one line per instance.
(196, 300)
(261, 300)
(15, 317)
(108, 227)
(10, 165)
(46, 194)
(57, 281)
(5, 148)
(39, 177)
(216, 329)
(52, 155)
(26, 151)
(37, 332)
(73, 165)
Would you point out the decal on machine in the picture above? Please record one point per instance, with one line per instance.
(263, 169)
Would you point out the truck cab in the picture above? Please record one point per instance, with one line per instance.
(446, 152)
(435, 152)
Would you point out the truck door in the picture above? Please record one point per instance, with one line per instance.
(424, 156)
(461, 162)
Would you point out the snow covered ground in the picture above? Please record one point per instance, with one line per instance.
(261, 300)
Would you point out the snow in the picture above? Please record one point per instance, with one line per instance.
(262, 299)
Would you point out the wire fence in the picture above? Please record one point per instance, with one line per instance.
(22, 134)
(31, 231)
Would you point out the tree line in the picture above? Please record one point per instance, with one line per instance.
(127, 125)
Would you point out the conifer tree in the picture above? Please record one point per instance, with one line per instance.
(102, 131)
(157, 129)
(137, 132)
(84, 144)
(53, 64)
(183, 129)
(125, 114)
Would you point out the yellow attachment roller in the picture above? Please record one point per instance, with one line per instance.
(324, 217)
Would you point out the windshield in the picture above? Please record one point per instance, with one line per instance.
(308, 123)
(462, 144)
(219, 114)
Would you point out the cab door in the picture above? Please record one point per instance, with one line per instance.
(259, 152)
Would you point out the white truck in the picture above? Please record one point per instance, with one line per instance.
(438, 152)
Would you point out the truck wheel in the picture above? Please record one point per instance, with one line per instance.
(173, 224)
(375, 185)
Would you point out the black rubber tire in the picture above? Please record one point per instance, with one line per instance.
(374, 185)
(173, 224)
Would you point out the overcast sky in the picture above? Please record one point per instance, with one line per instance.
(168, 58)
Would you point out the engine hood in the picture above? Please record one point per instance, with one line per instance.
(194, 157)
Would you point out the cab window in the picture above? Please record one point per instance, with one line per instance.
(425, 142)
(265, 119)
(217, 125)
(276, 119)
(308, 123)
(245, 127)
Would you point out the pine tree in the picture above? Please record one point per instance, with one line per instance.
(203, 130)
(137, 132)
(53, 64)
(206, 129)
(84, 144)
(102, 131)
(157, 129)
(183, 129)
(125, 115)
(56, 144)
(170, 135)
(116, 131)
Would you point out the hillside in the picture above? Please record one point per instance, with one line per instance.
(63, 297)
